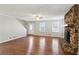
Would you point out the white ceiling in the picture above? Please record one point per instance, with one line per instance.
(28, 11)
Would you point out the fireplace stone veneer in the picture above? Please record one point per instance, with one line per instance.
(71, 18)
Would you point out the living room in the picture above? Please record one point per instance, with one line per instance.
(39, 29)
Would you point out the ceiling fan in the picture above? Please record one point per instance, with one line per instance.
(38, 17)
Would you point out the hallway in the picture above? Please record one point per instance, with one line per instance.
(32, 45)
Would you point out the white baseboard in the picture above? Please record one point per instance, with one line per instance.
(11, 39)
(47, 35)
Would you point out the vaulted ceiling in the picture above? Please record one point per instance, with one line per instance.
(29, 11)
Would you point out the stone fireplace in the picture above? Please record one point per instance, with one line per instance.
(71, 18)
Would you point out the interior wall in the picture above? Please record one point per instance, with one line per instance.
(10, 29)
(24, 24)
(48, 28)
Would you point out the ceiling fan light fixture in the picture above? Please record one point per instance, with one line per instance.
(37, 17)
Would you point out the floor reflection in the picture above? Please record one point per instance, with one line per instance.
(55, 47)
(42, 45)
(30, 44)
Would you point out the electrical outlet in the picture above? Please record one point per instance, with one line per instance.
(10, 37)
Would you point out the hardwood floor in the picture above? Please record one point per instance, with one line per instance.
(32, 45)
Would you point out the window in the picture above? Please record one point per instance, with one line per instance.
(42, 27)
(55, 27)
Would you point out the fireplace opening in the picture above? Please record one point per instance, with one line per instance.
(67, 34)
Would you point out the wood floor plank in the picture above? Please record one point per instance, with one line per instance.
(32, 45)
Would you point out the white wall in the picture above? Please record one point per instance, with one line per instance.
(10, 29)
(48, 28)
